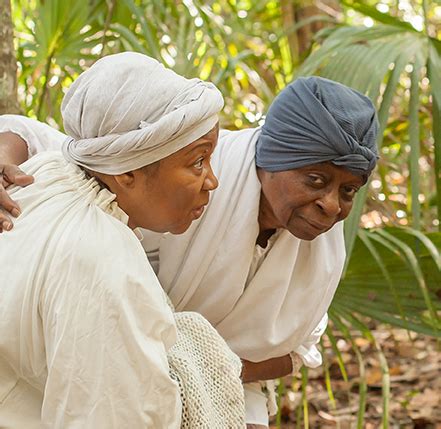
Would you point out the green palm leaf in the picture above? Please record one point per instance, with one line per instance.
(394, 276)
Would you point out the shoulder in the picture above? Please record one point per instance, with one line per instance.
(226, 136)
(99, 241)
(37, 135)
(237, 141)
(50, 163)
(235, 148)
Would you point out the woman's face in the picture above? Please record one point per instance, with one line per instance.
(171, 194)
(307, 201)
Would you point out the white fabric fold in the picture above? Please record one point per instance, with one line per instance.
(128, 111)
(206, 268)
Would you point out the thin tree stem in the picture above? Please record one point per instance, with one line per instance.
(44, 89)
(111, 7)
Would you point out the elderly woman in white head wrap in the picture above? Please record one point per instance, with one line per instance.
(85, 327)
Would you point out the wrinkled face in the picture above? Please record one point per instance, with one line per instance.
(307, 201)
(171, 194)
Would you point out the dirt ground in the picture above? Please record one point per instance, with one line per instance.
(415, 386)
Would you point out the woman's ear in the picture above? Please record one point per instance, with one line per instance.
(126, 180)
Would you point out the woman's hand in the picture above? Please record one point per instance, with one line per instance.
(266, 370)
(10, 175)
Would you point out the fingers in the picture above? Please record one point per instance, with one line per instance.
(5, 222)
(7, 205)
(14, 176)
(23, 180)
(10, 174)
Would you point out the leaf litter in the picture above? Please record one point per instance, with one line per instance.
(414, 362)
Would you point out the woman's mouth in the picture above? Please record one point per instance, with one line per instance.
(197, 212)
(318, 226)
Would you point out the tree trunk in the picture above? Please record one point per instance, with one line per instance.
(306, 9)
(288, 21)
(8, 63)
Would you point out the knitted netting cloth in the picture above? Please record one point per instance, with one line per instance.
(208, 373)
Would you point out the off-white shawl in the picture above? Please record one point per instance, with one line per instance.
(206, 268)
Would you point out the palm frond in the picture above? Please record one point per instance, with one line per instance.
(393, 276)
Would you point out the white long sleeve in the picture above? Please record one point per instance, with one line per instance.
(38, 136)
(308, 351)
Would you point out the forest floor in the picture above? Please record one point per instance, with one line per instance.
(414, 363)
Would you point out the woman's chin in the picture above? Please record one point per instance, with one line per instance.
(180, 229)
(177, 228)
(305, 234)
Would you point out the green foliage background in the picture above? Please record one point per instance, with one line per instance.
(390, 50)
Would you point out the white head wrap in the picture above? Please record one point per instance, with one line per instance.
(128, 111)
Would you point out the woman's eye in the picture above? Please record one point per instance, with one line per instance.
(350, 191)
(199, 163)
(316, 180)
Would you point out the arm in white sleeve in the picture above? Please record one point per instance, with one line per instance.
(107, 330)
(38, 136)
(308, 351)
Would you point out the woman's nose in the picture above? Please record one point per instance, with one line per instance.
(211, 182)
(329, 204)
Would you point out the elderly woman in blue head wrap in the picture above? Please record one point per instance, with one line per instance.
(264, 260)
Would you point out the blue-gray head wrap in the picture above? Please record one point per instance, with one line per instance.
(317, 120)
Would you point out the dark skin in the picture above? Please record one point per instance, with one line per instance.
(186, 175)
(307, 201)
